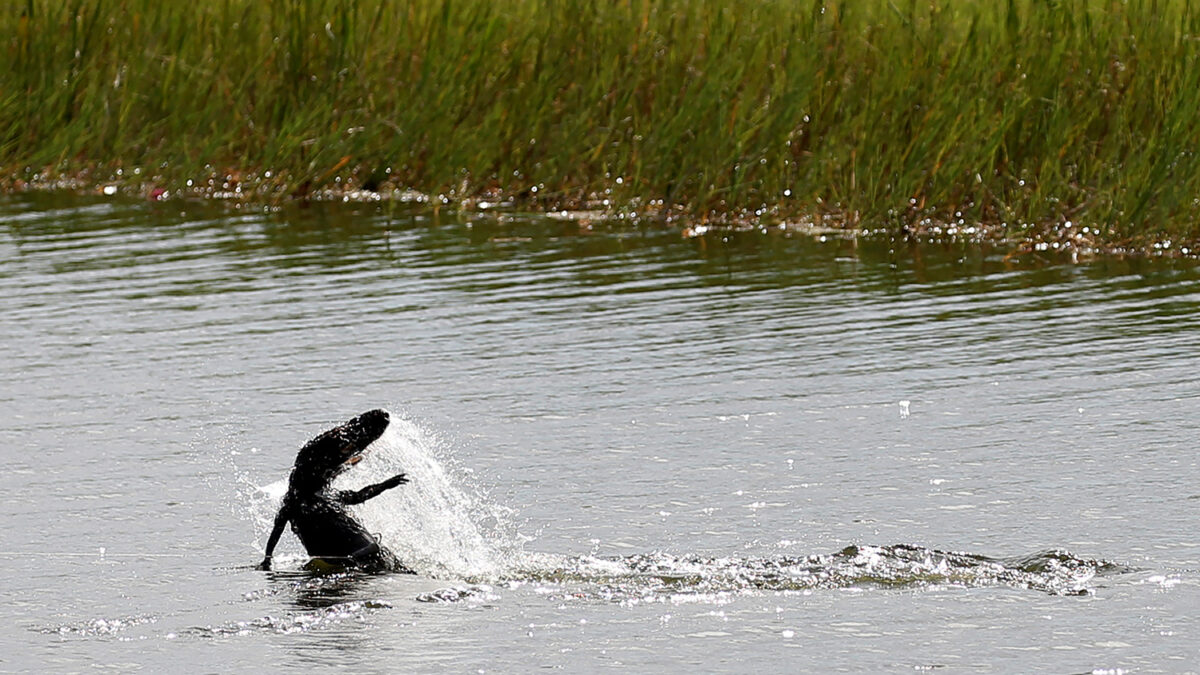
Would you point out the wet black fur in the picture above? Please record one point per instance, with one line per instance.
(319, 514)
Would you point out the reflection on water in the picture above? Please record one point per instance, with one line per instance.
(723, 411)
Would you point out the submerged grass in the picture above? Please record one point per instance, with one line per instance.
(1023, 115)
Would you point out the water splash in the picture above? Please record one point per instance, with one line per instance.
(435, 523)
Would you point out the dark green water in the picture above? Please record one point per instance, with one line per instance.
(680, 439)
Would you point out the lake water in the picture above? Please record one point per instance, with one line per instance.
(758, 453)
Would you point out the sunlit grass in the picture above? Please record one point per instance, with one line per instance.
(1027, 114)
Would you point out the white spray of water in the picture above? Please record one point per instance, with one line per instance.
(432, 523)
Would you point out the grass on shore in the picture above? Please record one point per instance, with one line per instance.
(1023, 115)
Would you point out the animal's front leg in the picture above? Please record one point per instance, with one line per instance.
(281, 519)
(371, 491)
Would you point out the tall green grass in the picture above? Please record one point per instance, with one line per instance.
(1024, 114)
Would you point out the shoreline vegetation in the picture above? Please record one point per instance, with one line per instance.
(1069, 124)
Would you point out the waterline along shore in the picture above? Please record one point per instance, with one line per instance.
(1070, 123)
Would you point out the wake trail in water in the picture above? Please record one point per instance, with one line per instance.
(658, 576)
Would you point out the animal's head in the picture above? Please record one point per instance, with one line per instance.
(331, 453)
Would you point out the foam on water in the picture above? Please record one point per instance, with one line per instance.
(296, 622)
(661, 576)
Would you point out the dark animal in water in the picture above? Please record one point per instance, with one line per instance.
(318, 513)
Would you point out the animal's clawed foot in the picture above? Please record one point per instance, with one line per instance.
(398, 479)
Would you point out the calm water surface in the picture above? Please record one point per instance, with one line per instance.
(634, 450)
